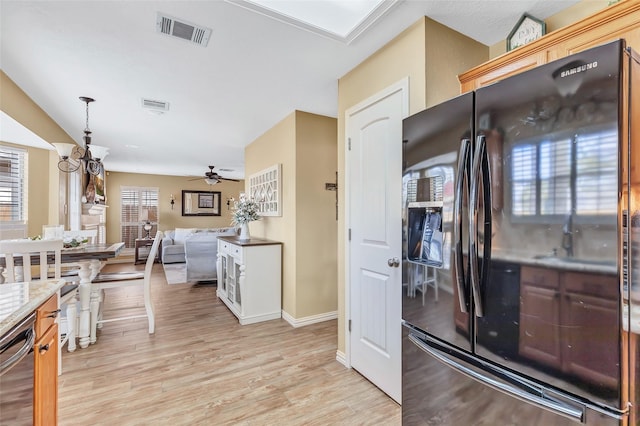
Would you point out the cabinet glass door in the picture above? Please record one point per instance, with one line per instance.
(223, 270)
(237, 294)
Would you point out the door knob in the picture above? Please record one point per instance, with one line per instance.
(394, 263)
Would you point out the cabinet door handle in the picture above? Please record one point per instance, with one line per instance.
(53, 314)
(44, 348)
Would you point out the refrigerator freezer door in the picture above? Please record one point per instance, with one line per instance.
(431, 151)
(435, 393)
(553, 280)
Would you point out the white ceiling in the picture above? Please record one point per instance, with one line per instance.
(254, 71)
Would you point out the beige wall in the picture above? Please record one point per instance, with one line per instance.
(38, 189)
(16, 103)
(277, 145)
(431, 55)
(43, 175)
(167, 185)
(568, 16)
(305, 145)
(316, 224)
(404, 56)
(448, 53)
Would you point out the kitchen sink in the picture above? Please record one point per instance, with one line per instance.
(560, 259)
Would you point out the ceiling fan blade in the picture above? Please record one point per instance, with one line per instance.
(232, 180)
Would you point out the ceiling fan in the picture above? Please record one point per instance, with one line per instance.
(212, 177)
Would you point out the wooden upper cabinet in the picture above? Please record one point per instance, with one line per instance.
(503, 70)
(621, 20)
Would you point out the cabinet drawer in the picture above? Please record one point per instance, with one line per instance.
(232, 249)
(223, 247)
(540, 277)
(46, 315)
(236, 251)
(596, 285)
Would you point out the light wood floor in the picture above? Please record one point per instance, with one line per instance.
(202, 368)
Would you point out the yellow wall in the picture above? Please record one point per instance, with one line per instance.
(277, 145)
(448, 53)
(16, 103)
(559, 20)
(43, 175)
(403, 56)
(316, 224)
(38, 191)
(431, 55)
(167, 185)
(305, 145)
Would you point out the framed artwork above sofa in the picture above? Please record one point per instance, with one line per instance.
(201, 203)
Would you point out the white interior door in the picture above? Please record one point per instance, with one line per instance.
(374, 132)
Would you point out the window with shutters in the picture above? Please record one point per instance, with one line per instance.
(13, 191)
(576, 173)
(137, 203)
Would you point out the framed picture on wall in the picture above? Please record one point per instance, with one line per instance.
(205, 201)
(201, 203)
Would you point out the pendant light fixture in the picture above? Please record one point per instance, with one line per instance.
(92, 165)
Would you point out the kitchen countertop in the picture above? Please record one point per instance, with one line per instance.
(557, 262)
(17, 300)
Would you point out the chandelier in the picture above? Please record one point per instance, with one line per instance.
(72, 156)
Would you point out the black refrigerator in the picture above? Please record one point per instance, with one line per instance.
(521, 230)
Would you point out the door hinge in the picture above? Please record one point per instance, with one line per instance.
(349, 143)
(349, 234)
(349, 326)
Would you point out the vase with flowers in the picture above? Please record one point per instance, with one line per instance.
(245, 210)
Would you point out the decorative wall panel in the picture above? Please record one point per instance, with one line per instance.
(266, 189)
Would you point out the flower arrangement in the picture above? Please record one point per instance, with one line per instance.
(245, 210)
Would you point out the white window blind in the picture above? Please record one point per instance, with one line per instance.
(597, 173)
(13, 185)
(541, 176)
(136, 202)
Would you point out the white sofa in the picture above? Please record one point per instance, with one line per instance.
(201, 254)
(173, 250)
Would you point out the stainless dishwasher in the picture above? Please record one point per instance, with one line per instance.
(16, 373)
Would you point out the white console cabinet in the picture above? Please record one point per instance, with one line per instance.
(250, 278)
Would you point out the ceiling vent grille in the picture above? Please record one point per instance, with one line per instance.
(171, 26)
(155, 106)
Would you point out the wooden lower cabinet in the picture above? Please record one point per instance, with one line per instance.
(540, 325)
(590, 325)
(569, 322)
(45, 383)
(45, 396)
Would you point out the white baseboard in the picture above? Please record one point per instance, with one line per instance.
(301, 322)
(341, 357)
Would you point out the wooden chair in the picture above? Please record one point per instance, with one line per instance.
(13, 249)
(106, 281)
(49, 268)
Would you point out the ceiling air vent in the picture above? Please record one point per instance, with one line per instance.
(156, 107)
(171, 26)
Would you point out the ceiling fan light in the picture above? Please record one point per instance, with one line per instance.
(211, 181)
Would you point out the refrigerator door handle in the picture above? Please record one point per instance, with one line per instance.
(561, 408)
(473, 224)
(458, 258)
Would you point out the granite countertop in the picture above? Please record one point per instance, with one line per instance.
(17, 300)
(558, 262)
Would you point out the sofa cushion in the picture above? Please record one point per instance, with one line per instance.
(182, 234)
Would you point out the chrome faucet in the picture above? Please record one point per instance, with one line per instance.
(567, 235)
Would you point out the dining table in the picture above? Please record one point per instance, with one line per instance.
(90, 259)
